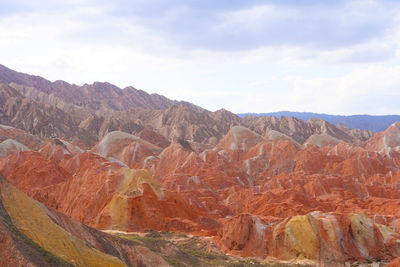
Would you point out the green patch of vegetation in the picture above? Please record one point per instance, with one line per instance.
(172, 261)
(199, 251)
(86, 138)
(139, 238)
(153, 243)
(368, 263)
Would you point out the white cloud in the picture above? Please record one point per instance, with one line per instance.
(378, 86)
(84, 43)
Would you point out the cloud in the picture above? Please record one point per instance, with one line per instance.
(220, 27)
(372, 90)
(319, 27)
(155, 26)
(246, 56)
(354, 31)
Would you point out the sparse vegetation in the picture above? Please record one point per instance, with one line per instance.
(152, 243)
(193, 251)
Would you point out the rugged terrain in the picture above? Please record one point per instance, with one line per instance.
(203, 185)
(375, 123)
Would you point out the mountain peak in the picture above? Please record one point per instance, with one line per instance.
(96, 96)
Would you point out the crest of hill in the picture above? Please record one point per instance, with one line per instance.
(375, 123)
(89, 112)
(300, 130)
(96, 96)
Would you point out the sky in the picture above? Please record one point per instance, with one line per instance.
(336, 57)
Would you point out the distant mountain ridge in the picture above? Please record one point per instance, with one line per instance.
(376, 123)
(99, 96)
(87, 113)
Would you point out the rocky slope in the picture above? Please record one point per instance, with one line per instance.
(248, 191)
(96, 96)
(388, 141)
(88, 112)
(34, 235)
(324, 237)
(274, 189)
(376, 123)
(300, 130)
(53, 117)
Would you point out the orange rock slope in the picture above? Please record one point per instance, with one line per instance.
(327, 200)
(34, 235)
(323, 237)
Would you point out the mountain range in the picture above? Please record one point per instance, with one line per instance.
(58, 109)
(95, 175)
(376, 123)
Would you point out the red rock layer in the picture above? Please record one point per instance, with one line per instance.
(323, 237)
(244, 187)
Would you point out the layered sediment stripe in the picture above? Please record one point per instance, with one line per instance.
(30, 218)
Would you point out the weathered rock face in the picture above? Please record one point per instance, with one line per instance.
(29, 171)
(33, 235)
(301, 130)
(91, 96)
(127, 148)
(255, 184)
(154, 138)
(10, 146)
(239, 138)
(387, 142)
(323, 237)
(270, 185)
(8, 132)
(89, 112)
(321, 140)
(358, 134)
(103, 194)
(394, 263)
(31, 219)
(59, 150)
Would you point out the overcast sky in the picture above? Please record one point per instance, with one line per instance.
(337, 57)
